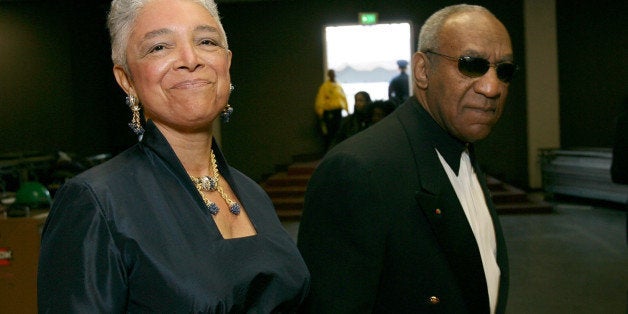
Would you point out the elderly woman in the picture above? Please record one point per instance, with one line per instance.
(168, 225)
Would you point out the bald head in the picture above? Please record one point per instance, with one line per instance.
(430, 31)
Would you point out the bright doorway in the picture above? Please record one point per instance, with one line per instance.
(364, 56)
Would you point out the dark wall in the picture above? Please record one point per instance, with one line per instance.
(57, 90)
(593, 56)
(101, 115)
(35, 77)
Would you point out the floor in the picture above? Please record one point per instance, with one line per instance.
(573, 260)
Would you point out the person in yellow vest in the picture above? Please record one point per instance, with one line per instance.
(330, 102)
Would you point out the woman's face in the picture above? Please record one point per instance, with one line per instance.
(178, 64)
(360, 102)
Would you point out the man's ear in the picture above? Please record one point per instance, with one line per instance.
(123, 79)
(420, 65)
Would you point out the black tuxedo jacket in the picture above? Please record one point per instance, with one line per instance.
(383, 231)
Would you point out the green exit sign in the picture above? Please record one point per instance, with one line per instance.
(368, 18)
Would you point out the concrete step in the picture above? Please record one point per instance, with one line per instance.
(508, 194)
(292, 203)
(530, 207)
(494, 184)
(289, 214)
(288, 207)
(302, 168)
(282, 191)
(283, 179)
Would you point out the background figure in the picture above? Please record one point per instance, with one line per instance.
(357, 121)
(619, 165)
(330, 102)
(398, 218)
(398, 89)
(167, 226)
(379, 109)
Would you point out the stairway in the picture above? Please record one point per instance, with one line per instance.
(287, 190)
(511, 200)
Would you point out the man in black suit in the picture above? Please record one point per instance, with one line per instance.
(398, 218)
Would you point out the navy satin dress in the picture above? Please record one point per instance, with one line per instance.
(133, 235)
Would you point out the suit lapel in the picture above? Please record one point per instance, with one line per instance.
(439, 203)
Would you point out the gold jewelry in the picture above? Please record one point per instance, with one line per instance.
(226, 113)
(135, 124)
(205, 183)
(211, 184)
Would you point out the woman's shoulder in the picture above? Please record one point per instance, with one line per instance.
(122, 165)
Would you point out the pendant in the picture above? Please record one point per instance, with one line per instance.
(208, 183)
(234, 208)
(212, 208)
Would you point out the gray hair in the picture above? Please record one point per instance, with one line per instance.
(430, 31)
(122, 16)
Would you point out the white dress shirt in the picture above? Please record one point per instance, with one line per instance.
(471, 198)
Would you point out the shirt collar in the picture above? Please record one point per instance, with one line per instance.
(449, 147)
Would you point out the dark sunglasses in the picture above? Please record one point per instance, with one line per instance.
(476, 67)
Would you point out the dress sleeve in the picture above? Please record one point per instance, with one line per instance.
(80, 267)
(342, 238)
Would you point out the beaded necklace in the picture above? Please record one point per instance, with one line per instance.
(212, 184)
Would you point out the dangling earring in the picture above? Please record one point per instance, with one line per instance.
(226, 113)
(228, 110)
(135, 123)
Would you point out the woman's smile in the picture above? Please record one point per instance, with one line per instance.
(191, 84)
